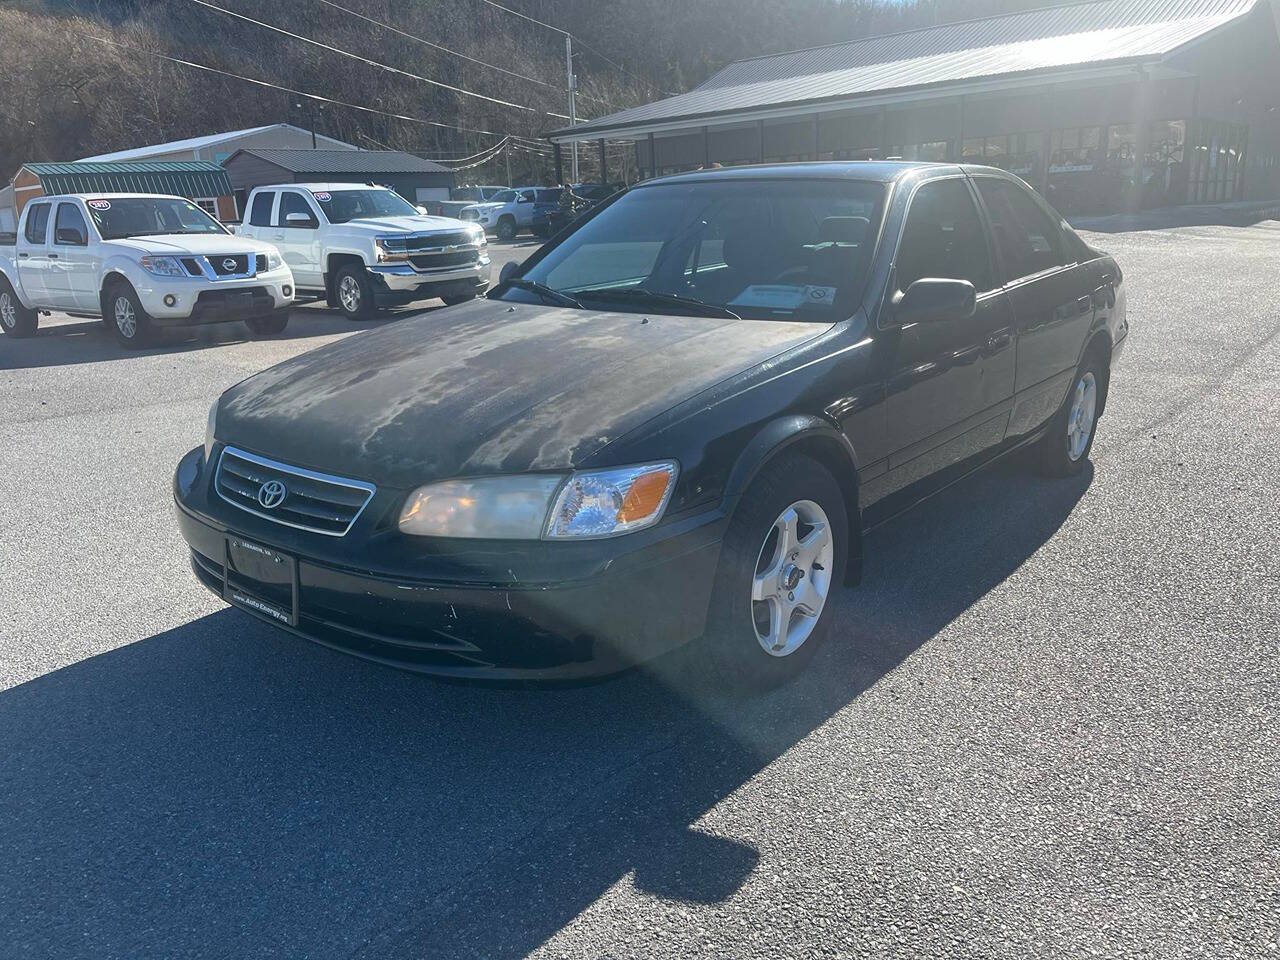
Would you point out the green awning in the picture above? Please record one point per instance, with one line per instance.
(183, 178)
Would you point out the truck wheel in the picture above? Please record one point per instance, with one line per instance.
(269, 326)
(355, 293)
(15, 319)
(782, 560)
(507, 229)
(131, 324)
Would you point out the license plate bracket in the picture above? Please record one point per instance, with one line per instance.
(261, 579)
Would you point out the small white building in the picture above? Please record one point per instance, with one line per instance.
(215, 147)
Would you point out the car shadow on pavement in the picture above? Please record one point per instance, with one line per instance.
(66, 343)
(225, 789)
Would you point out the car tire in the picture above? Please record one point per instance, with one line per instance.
(131, 324)
(454, 299)
(783, 554)
(15, 319)
(354, 293)
(506, 229)
(1065, 448)
(271, 325)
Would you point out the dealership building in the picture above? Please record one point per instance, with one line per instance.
(1098, 105)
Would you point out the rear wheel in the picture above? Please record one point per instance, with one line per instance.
(1064, 450)
(354, 293)
(507, 229)
(782, 559)
(131, 324)
(15, 319)
(269, 326)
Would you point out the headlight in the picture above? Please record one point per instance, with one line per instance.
(209, 429)
(479, 237)
(163, 266)
(604, 503)
(500, 508)
(274, 260)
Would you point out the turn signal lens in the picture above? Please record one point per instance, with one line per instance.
(605, 503)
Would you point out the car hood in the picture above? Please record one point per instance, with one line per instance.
(483, 207)
(489, 387)
(381, 226)
(200, 244)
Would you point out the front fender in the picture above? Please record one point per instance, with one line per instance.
(11, 277)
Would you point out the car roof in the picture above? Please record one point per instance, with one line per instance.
(327, 187)
(113, 194)
(884, 171)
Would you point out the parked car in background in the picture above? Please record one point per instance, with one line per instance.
(673, 422)
(363, 247)
(506, 214)
(139, 261)
(475, 194)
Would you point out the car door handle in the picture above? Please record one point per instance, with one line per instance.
(23, 256)
(1084, 304)
(277, 236)
(53, 256)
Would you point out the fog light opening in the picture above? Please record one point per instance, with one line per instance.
(170, 299)
(287, 290)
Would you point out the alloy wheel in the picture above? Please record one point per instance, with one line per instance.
(1081, 417)
(126, 319)
(8, 313)
(349, 294)
(792, 578)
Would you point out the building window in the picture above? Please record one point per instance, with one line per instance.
(208, 204)
(933, 152)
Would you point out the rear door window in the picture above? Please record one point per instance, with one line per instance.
(37, 223)
(944, 238)
(260, 214)
(1029, 240)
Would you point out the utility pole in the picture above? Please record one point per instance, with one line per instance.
(573, 104)
(506, 153)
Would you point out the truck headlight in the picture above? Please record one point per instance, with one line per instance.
(211, 425)
(163, 266)
(274, 261)
(589, 504)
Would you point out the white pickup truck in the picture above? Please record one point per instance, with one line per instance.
(139, 261)
(362, 247)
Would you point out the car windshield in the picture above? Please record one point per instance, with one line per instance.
(503, 196)
(119, 217)
(342, 206)
(759, 249)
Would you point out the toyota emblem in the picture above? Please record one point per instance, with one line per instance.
(229, 264)
(271, 494)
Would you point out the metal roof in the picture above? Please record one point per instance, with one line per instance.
(184, 178)
(344, 161)
(1049, 39)
(209, 140)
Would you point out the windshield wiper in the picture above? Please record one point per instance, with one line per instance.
(545, 292)
(641, 295)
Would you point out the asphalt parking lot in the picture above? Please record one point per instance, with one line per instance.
(1049, 727)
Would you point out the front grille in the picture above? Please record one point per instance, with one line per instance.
(260, 263)
(226, 266)
(470, 215)
(311, 501)
(439, 261)
(192, 266)
(439, 240)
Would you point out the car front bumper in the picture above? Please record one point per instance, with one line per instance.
(402, 282)
(194, 300)
(513, 610)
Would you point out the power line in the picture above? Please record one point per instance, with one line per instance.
(297, 93)
(524, 16)
(436, 46)
(375, 63)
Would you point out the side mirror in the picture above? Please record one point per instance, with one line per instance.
(299, 220)
(72, 237)
(930, 300)
(422, 210)
(508, 271)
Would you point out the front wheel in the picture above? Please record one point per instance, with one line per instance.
(782, 559)
(15, 319)
(1064, 450)
(271, 325)
(354, 293)
(506, 229)
(129, 322)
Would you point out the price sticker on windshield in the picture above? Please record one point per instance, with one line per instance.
(99, 204)
(322, 197)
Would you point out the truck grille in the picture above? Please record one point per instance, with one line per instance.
(308, 500)
(430, 242)
(469, 215)
(439, 261)
(227, 266)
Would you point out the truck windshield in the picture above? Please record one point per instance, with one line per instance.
(762, 249)
(342, 206)
(119, 217)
